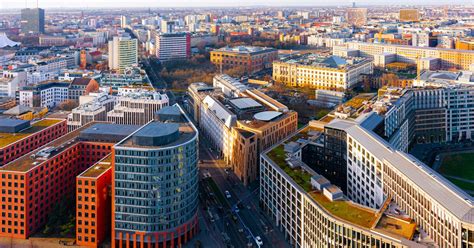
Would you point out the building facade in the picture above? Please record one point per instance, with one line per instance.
(155, 197)
(249, 59)
(123, 53)
(173, 46)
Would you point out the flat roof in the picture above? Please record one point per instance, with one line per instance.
(245, 103)
(98, 168)
(27, 161)
(267, 115)
(10, 138)
(429, 181)
(396, 226)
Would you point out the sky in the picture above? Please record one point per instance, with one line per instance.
(209, 3)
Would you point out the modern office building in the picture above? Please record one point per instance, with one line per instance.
(19, 137)
(356, 16)
(239, 126)
(123, 53)
(32, 21)
(137, 108)
(173, 46)
(391, 199)
(322, 73)
(449, 58)
(409, 15)
(155, 198)
(94, 110)
(248, 59)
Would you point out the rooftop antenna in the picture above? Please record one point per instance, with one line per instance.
(37, 4)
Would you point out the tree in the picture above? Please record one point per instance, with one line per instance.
(68, 105)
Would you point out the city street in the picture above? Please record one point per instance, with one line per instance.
(234, 221)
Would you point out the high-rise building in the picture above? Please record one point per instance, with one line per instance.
(32, 20)
(167, 26)
(155, 198)
(172, 46)
(356, 16)
(409, 15)
(123, 53)
(123, 21)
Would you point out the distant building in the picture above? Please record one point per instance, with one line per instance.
(356, 16)
(47, 40)
(123, 53)
(137, 108)
(250, 59)
(32, 21)
(173, 46)
(323, 73)
(409, 15)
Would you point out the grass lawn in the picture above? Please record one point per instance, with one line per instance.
(461, 184)
(458, 165)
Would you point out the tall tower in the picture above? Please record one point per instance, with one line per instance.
(32, 21)
(155, 183)
(83, 59)
(123, 53)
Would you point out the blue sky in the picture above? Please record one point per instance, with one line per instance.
(206, 3)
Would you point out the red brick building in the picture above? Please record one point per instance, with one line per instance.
(32, 184)
(16, 143)
(93, 204)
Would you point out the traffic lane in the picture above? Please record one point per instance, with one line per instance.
(235, 236)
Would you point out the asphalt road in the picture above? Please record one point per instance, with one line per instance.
(249, 221)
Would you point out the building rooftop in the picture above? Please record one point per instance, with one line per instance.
(9, 138)
(157, 135)
(396, 226)
(98, 168)
(246, 49)
(107, 132)
(331, 62)
(245, 103)
(42, 154)
(455, 200)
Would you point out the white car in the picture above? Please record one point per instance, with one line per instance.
(227, 194)
(259, 241)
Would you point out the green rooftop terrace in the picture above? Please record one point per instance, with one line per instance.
(341, 209)
(346, 210)
(301, 177)
(10, 138)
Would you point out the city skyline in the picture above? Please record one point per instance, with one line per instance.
(212, 3)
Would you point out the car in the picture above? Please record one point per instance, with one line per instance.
(259, 241)
(227, 194)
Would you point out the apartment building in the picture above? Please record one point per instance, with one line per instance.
(47, 94)
(449, 58)
(155, 198)
(18, 137)
(239, 127)
(249, 59)
(172, 46)
(322, 73)
(137, 108)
